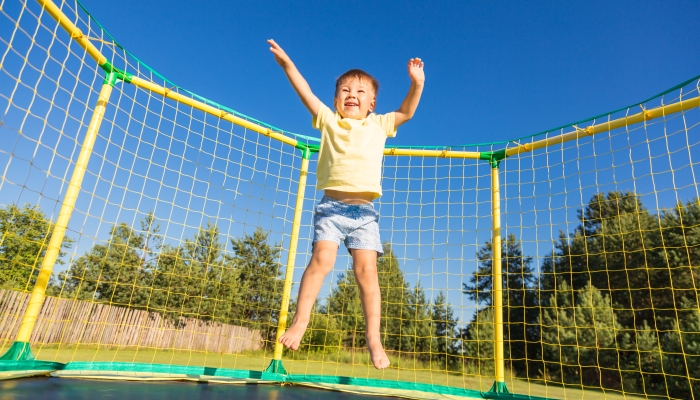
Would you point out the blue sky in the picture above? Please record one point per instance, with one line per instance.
(495, 70)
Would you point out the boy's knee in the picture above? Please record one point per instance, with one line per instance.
(365, 268)
(323, 257)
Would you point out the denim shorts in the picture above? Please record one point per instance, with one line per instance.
(357, 225)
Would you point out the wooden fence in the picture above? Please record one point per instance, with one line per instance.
(71, 322)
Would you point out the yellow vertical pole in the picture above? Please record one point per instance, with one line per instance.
(276, 365)
(59, 230)
(499, 358)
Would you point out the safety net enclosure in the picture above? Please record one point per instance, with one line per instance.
(149, 233)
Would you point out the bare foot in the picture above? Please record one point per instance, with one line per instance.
(292, 337)
(377, 353)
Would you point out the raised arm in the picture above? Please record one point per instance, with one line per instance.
(410, 103)
(311, 102)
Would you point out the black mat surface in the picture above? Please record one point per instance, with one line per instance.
(79, 389)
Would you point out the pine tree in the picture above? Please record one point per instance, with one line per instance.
(323, 335)
(680, 348)
(579, 337)
(649, 267)
(618, 248)
(170, 294)
(259, 272)
(477, 342)
(444, 348)
(117, 272)
(396, 295)
(641, 362)
(344, 303)
(520, 301)
(204, 256)
(416, 335)
(406, 313)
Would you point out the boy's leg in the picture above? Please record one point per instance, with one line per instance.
(322, 260)
(364, 263)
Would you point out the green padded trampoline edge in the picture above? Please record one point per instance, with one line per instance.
(18, 361)
(18, 351)
(164, 371)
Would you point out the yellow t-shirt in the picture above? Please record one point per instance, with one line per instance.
(350, 158)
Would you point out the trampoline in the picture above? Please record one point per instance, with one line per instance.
(152, 240)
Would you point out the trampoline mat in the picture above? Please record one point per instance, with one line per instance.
(79, 389)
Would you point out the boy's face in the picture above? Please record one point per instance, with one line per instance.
(355, 99)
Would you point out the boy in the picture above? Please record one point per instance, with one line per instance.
(349, 172)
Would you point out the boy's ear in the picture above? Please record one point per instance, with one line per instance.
(372, 105)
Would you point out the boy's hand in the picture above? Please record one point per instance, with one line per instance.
(415, 70)
(410, 103)
(280, 56)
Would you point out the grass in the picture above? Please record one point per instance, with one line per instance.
(340, 364)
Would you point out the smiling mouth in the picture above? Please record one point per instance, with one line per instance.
(350, 104)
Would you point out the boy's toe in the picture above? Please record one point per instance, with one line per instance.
(284, 341)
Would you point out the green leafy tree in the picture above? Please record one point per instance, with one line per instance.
(579, 337)
(477, 342)
(680, 229)
(641, 357)
(344, 302)
(323, 335)
(259, 271)
(410, 324)
(204, 257)
(444, 348)
(680, 348)
(520, 301)
(117, 272)
(197, 280)
(416, 334)
(396, 298)
(194, 280)
(649, 267)
(24, 238)
(171, 294)
(618, 248)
